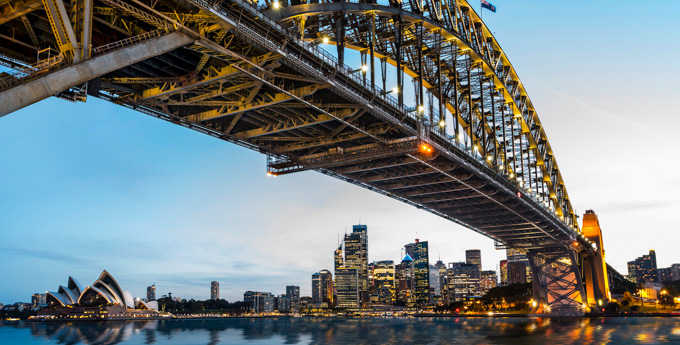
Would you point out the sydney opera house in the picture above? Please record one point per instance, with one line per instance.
(104, 299)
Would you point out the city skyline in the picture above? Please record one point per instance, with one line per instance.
(79, 178)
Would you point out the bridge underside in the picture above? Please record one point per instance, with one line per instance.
(245, 79)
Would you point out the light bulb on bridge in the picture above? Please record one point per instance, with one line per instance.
(442, 123)
(276, 4)
(395, 89)
(325, 40)
(421, 109)
(364, 68)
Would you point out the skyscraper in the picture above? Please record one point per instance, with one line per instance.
(347, 286)
(214, 290)
(337, 256)
(443, 278)
(151, 293)
(383, 281)
(356, 256)
(405, 281)
(322, 287)
(293, 292)
(421, 263)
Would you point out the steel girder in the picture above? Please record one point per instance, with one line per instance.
(462, 57)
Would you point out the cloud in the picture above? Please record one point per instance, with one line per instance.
(593, 109)
(46, 255)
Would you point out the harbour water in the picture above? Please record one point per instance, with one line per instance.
(516, 331)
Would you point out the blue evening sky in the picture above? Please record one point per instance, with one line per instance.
(93, 186)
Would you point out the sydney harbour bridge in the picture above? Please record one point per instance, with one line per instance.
(453, 133)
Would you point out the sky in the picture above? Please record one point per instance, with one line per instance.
(93, 186)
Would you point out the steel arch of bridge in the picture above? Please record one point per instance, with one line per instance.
(227, 69)
(460, 44)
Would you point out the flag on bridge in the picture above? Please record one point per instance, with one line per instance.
(488, 6)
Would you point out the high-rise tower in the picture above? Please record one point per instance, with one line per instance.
(214, 290)
(421, 263)
(356, 256)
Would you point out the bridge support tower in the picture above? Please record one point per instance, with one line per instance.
(594, 267)
(558, 288)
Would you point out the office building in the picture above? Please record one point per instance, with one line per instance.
(474, 257)
(517, 272)
(489, 280)
(322, 287)
(214, 290)
(356, 256)
(643, 269)
(260, 302)
(518, 255)
(347, 287)
(383, 281)
(421, 263)
(337, 256)
(293, 293)
(463, 281)
(151, 293)
(405, 282)
(504, 272)
(441, 284)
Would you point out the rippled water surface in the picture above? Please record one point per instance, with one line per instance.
(522, 331)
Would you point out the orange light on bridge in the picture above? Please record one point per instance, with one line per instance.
(270, 174)
(576, 244)
(425, 148)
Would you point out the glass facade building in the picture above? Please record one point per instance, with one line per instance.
(322, 287)
(421, 263)
(356, 256)
(348, 292)
(383, 281)
(463, 281)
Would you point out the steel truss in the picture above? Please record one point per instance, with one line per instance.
(557, 280)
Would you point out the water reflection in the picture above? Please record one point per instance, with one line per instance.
(353, 331)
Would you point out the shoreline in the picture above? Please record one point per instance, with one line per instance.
(611, 315)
